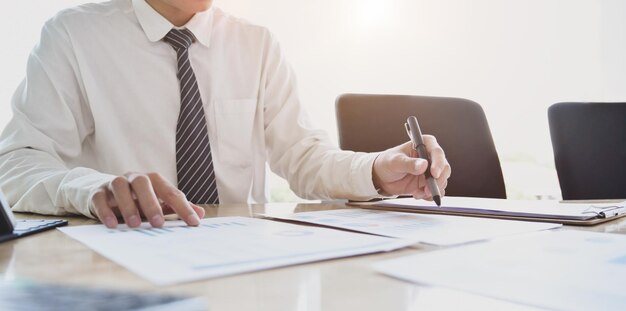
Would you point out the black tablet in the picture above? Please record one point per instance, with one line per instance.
(11, 228)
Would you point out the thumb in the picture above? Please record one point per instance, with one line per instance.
(408, 165)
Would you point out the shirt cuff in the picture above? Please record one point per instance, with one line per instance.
(361, 176)
(82, 183)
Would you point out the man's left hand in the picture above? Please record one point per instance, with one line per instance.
(398, 170)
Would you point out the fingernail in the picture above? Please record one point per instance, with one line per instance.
(134, 221)
(193, 219)
(156, 220)
(110, 222)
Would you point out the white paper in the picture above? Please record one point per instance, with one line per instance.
(561, 270)
(532, 208)
(429, 229)
(221, 246)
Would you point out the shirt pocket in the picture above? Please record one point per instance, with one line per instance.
(234, 120)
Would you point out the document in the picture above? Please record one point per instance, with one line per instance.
(428, 229)
(512, 208)
(559, 270)
(221, 246)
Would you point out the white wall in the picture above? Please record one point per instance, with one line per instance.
(20, 26)
(513, 57)
(614, 50)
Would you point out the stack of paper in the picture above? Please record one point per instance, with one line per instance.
(512, 208)
(429, 229)
(221, 246)
(561, 270)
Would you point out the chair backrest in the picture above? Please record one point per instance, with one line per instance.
(371, 123)
(589, 143)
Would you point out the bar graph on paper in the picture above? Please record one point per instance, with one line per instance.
(154, 232)
(430, 229)
(221, 246)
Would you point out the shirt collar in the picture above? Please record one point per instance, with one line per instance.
(156, 26)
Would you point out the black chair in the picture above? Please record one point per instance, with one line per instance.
(372, 123)
(589, 143)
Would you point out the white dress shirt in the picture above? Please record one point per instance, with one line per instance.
(101, 98)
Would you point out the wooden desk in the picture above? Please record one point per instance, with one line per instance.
(341, 284)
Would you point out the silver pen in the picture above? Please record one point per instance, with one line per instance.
(415, 134)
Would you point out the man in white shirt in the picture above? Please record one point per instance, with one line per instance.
(98, 126)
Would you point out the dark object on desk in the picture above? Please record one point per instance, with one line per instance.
(578, 214)
(16, 295)
(589, 143)
(415, 134)
(372, 123)
(10, 228)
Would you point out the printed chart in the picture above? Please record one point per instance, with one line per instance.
(222, 246)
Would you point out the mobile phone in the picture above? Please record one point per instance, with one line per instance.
(7, 221)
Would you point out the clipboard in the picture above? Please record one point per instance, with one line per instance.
(568, 213)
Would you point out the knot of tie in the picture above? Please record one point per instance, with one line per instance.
(179, 38)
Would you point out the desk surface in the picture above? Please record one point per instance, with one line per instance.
(341, 284)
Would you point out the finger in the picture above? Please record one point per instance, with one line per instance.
(175, 198)
(437, 155)
(443, 186)
(199, 210)
(121, 190)
(103, 210)
(442, 191)
(419, 192)
(428, 192)
(447, 171)
(442, 181)
(169, 210)
(148, 202)
(111, 199)
(420, 195)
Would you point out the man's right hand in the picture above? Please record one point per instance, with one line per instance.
(134, 195)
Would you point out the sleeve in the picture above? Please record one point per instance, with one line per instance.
(50, 123)
(313, 166)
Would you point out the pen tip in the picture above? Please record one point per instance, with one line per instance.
(437, 200)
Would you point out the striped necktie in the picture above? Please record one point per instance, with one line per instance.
(194, 164)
